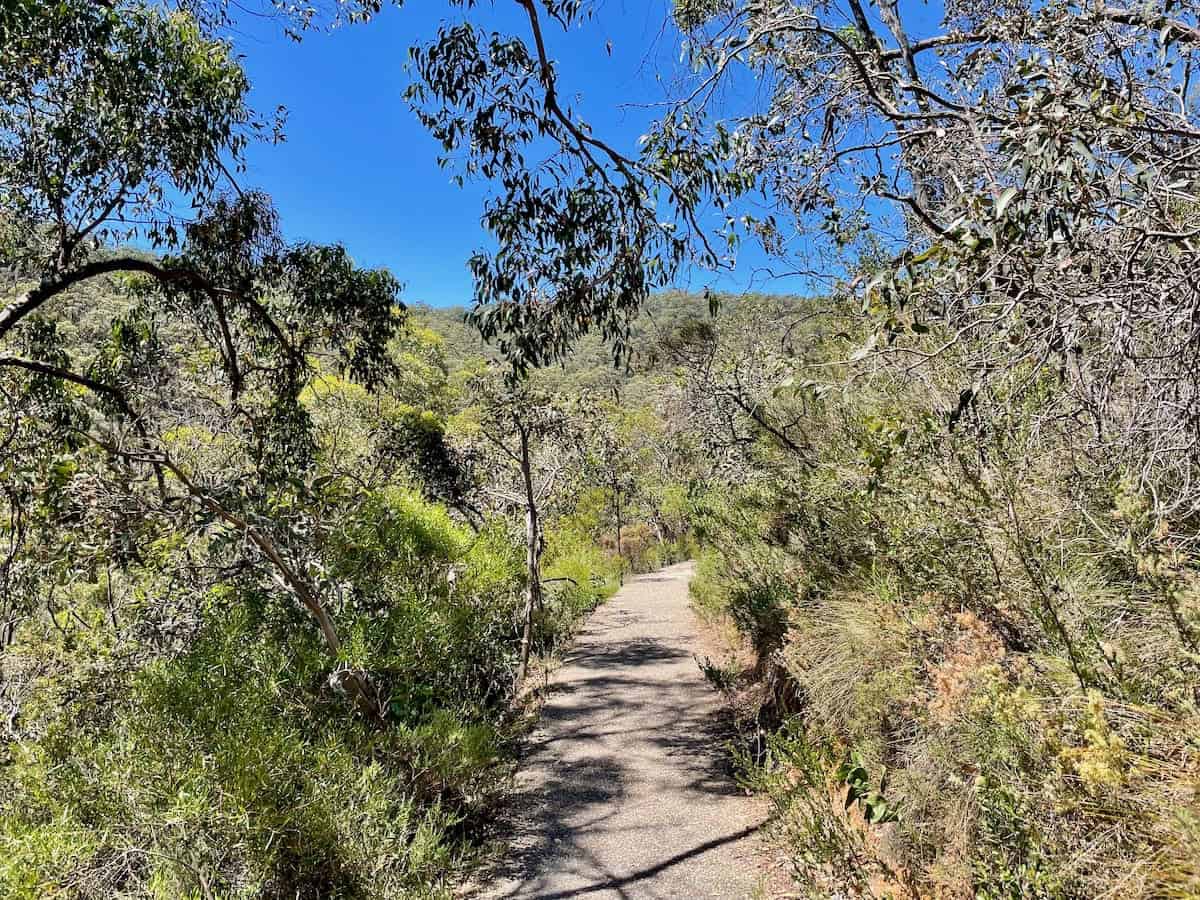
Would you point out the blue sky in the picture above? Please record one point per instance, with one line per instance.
(357, 166)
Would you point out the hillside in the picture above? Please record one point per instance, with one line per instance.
(301, 590)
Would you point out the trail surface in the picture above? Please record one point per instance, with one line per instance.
(626, 790)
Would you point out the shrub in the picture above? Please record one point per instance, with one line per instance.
(993, 623)
(579, 577)
(234, 767)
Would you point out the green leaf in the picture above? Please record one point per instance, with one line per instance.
(1006, 198)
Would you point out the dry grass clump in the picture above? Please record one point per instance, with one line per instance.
(975, 647)
(1003, 787)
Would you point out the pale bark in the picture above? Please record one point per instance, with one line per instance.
(533, 555)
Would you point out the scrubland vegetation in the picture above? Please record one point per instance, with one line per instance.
(266, 591)
(177, 721)
(277, 552)
(975, 673)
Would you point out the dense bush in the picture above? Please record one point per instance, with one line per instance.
(174, 723)
(980, 642)
(579, 576)
(235, 767)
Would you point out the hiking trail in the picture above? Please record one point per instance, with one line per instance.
(626, 789)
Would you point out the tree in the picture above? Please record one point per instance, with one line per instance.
(612, 457)
(731, 369)
(110, 111)
(1026, 169)
(531, 440)
(584, 235)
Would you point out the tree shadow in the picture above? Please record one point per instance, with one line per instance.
(616, 884)
(618, 730)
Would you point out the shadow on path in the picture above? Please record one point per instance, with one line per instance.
(626, 777)
(652, 870)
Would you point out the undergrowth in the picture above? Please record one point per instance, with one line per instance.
(991, 633)
(234, 767)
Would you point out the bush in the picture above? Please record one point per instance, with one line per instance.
(579, 577)
(993, 624)
(235, 768)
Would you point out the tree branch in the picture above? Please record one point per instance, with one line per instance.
(53, 285)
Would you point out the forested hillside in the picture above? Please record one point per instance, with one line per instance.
(281, 555)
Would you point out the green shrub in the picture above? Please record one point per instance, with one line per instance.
(233, 771)
(579, 576)
(235, 768)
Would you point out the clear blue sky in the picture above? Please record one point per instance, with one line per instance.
(357, 167)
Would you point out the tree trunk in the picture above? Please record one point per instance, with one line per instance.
(617, 504)
(353, 683)
(533, 556)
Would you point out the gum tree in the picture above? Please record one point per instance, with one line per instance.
(1025, 171)
(114, 117)
(526, 444)
(583, 229)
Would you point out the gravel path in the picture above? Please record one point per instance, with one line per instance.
(626, 790)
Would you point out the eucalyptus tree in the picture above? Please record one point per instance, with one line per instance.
(526, 444)
(612, 460)
(1029, 169)
(113, 117)
(583, 229)
(109, 115)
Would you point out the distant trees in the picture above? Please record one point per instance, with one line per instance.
(610, 456)
(594, 469)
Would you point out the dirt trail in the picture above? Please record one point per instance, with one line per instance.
(626, 790)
